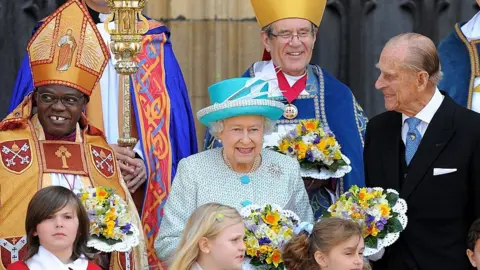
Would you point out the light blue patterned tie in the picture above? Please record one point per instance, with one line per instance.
(413, 138)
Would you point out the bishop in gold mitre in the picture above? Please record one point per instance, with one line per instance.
(289, 30)
(47, 140)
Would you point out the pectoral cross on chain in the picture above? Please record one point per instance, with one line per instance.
(63, 153)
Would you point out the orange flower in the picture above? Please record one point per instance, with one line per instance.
(310, 126)
(276, 258)
(271, 218)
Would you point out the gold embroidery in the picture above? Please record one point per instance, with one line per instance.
(472, 63)
(63, 153)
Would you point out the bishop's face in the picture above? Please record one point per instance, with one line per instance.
(478, 2)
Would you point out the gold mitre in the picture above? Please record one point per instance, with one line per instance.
(269, 11)
(68, 49)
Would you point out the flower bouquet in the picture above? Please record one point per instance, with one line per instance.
(380, 213)
(110, 223)
(316, 149)
(267, 229)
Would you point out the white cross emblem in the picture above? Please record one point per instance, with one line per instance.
(16, 154)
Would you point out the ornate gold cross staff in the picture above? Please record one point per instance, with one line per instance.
(126, 44)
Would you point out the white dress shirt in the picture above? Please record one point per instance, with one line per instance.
(471, 30)
(45, 260)
(425, 115)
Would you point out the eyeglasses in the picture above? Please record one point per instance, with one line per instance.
(288, 36)
(67, 100)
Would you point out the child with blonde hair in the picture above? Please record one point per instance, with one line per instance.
(212, 240)
(331, 243)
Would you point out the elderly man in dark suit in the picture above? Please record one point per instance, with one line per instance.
(428, 148)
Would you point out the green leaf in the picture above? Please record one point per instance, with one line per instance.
(255, 262)
(382, 234)
(392, 199)
(371, 241)
(394, 226)
(326, 214)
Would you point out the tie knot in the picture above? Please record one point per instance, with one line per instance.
(413, 123)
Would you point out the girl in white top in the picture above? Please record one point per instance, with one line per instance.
(212, 240)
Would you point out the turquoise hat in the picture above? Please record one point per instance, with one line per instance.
(239, 96)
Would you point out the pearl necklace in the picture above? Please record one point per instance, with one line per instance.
(256, 162)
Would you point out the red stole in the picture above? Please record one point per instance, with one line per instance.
(291, 92)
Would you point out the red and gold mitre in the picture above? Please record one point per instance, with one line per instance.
(68, 49)
(269, 11)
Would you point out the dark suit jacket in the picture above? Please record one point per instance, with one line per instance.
(440, 208)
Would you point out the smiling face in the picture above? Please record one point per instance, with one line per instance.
(58, 231)
(291, 54)
(347, 255)
(242, 138)
(57, 118)
(397, 83)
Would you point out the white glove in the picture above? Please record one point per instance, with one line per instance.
(377, 256)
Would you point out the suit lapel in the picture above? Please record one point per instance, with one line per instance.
(438, 134)
(391, 151)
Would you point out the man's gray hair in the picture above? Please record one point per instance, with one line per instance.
(422, 55)
(269, 29)
(217, 127)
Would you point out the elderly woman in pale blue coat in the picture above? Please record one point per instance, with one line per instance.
(242, 172)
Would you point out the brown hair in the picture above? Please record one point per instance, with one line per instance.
(299, 252)
(473, 235)
(48, 201)
(422, 55)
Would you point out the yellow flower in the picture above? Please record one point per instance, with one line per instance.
(374, 230)
(271, 218)
(302, 150)
(110, 227)
(101, 194)
(275, 258)
(283, 147)
(325, 143)
(263, 249)
(337, 155)
(252, 242)
(384, 210)
(356, 215)
(251, 252)
(84, 196)
(363, 195)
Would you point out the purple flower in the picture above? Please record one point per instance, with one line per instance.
(317, 140)
(369, 219)
(379, 225)
(290, 149)
(251, 227)
(264, 241)
(309, 156)
(292, 134)
(304, 129)
(126, 228)
(383, 220)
